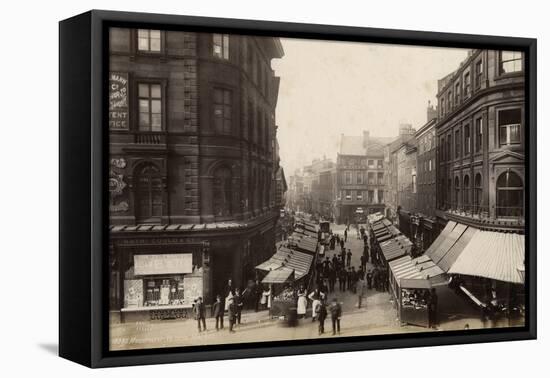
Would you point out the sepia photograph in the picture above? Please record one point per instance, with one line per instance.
(275, 189)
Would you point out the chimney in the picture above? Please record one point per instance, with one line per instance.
(431, 112)
(366, 136)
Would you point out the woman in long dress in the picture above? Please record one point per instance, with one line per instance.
(302, 302)
(315, 296)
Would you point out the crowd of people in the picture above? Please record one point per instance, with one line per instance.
(334, 273)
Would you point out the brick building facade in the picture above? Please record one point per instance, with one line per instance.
(481, 144)
(193, 158)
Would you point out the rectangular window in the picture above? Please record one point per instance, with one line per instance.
(149, 40)
(449, 101)
(370, 163)
(220, 46)
(457, 93)
(380, 164)
(442, 106)
(371, 178)
(430, 165)
(479, 134)
(458, 144)
(348, 195)
(150, 107)
(414, 180)
(347, 177)
(510, 61)
(509, 126)
(479, 73)
(380, 178)
(222, 110)
(467, 140)
(370, 196)
(359, 195)
(359, 177)
(381, 196)
(467, 84)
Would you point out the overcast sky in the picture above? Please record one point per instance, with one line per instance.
(328, 88)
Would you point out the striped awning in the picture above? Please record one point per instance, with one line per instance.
(280, 275)
(493, 255)
(299, 262)
(403, 268)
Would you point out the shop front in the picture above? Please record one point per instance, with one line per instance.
(161, 286)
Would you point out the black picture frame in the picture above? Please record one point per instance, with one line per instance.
(83, 67)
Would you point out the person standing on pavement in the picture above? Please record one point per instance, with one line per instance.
(346, 235)
(315, 296)
(238, 298)
(322, 315)
(361, 289)
(342, 278)
(200, 314)
(369, 280)
(335, 315)
(432, 310)
(217, 312)
(363, 261)
(348, 262)
(231, 314)
(302, 302)
(332, 278)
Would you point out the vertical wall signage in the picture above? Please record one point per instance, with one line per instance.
(118, 101)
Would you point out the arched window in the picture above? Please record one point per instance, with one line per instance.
(457, 192)
(509, 195)
(148, 195)
(477, 193)
(466, 192)
(222, 192)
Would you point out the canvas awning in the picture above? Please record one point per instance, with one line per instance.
(493, 255)
(279, 275)
(420, 268)
(403, 268)
(441, 238)
(299, 262)
(392, 249)
(450, 240)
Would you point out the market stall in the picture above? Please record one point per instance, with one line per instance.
(410, 282)
(414, 302)
(286, 269)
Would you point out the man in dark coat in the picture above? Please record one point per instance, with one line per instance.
(342, 278)
(332, 278)
(348, 261)
(369, 280)
(432, 308)
(217, 312)
(363, 261)
(238, 299)
(346, 235)
(231, 314)
(335, 314)
(200, 314)
(321, 315)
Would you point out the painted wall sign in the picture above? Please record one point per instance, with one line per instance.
(118, 101)
(175, 263)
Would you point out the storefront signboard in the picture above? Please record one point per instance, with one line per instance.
(175, 263)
